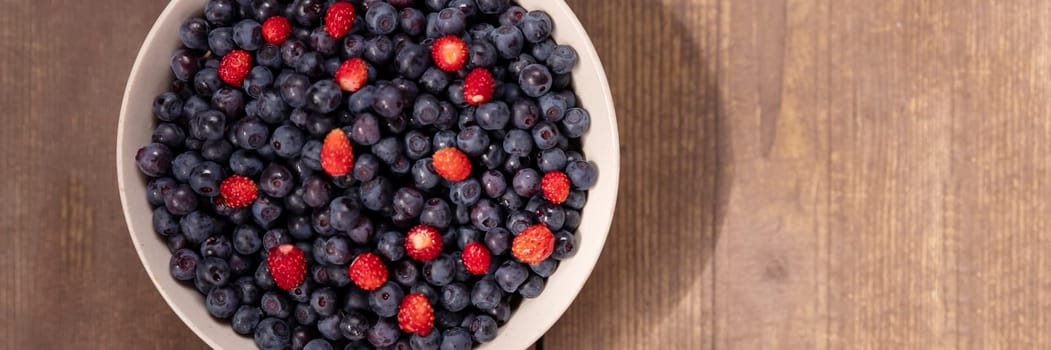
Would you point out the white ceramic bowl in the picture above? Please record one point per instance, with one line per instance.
(151, 75)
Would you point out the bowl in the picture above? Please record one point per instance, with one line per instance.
(151, 76)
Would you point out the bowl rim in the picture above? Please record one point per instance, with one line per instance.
(585, 48)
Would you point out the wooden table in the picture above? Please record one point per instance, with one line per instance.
(805, 174)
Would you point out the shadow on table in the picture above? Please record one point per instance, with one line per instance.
(654, 275)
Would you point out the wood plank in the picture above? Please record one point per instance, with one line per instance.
(769, 262)
(76, 276)
(1001, 103)
(652, 287)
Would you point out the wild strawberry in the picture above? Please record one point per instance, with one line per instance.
(276, 30)
(534, 244)
(556, 186)
(449, 53)
(368, 271)
(352, 74)
(476, 258)
(237, 191)
(478, 86)
(287, 265)
(234, 67)
(416, 315)
(423, 243)
(337, 155)
(451, 164)
(338, 19)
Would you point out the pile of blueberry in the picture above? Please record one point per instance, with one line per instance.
(366, 174)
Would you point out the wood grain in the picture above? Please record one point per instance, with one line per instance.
(798, 174)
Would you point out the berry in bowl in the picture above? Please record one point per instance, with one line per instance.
(368, 174)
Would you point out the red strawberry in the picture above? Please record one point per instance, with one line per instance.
(416, 315)
(534, 244)
(449, 53)
(556, 186)
(478, 86)
(423, 243)
(338, 19)
(368, 271)
(451, 164)
(476, 258)
(287, 265)
(237, 191)
(337, 155)
(234, 67)
(352, 74)
(276, 30)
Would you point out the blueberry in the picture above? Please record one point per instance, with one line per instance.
(274, 304)
(411, 21)
(552, 159)
(552, 107)
(194, 105)
(250, 133)
(494, 156)
(302, 335)
(354, 326)
(167, 106)
(526, 182)
(183, 264)
(230, 101)
(483, 328)
(534, 203)
(271, 108)
(412, 61)
(194, 33)
(222, 302)
(259, 79)
(536, 26)
(291, 51)
(324, 96)
(323, 43)
(263, 9)
(486, 215)
(365, 130)
(269, 56)
(287, 141)
(164, 223)
(246, 163)
(519, 220)
(272, 334)
(324, 301)
(154, 159)
(462, 217)
(545, 135)
(565, 245)
(498, 241)
(197, 226)
(390, 101)
(426, 289)
(338, 276)
(206, 82)
(582, 174)
(208, 125)
(217, 150)
(512, 15)
(439, 271)
(180, 200)
(185, 64)
(408, 201)
(363, 232)
(217, 246)
(381, 18)
(311, 65)
(388, 149)
(276, 181)
(391, 245)
(385, 300)
(456, 338)
(158, 188)
(576, 122)
(535, 80)
(318, 125)
(552, 215)
(275, 237)
(562, 59)
(319, 220)
(417, 144)
(383, 333)
(468, 7)
(246, 239)
(379, 49)
(353, 46)
(265, 212)
(221, 12)
(465, 193)
(436, 213)
(518, 142)
(507, 40)
(482, 54)
(248, 35)
(510, 275)
(423, 174)
(318, 344)
(213, 270)
(450, 21)
(377, 194)
(519, 63)
(493, 115)
(434, 80)
(435, 5)
(221, 41)
(405, 272)
(306, 13)
(472, 140)
(245, 319)
(455, 297)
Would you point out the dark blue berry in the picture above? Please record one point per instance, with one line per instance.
(385, 300)
(456, 338)
(164, 223)
(276, 181)
(552, 159)
(450, 21)
(306, 13)
(494, 156)
(271, 108)
(354, 326)
(265, 212)
(483, 328)
(582, 174)
(493, 115)
(498, 240)
(510, 275)
(391, 245)
(408, 201)
(214, 271)
(194, 33)
(259, 79)
(436, 213)
(412, 61)
(482, 54)
(269, 56)
(245, 319)
(272, 334)
(535, 80)
(250, 133)
(405, 273)
(230, 101)
(248, 35)
(154, 159)
(344, 213)
(158, 188)
(518, 142)
(221, 41)
(423, 174)
(197, 226)
(562, 59)
(455, 297)
(206, 82)
(185, 63)
(245, 163)
(383, 333)
(222, 302)
(246, 239)
(274, 304)
(508, 41)
(318, 344)
(472, 140)
(565, 245)
(217, 150)
(545, 135)
(291, 51)
(221, 12)
(180, 200)
(519, 220)
(536, 26)
(167, 106)
(439, 271)
(576, 122)
(208, 125)
(486, 215)
(390, 101)
(217, 246)
(353, 46)
(183, 264)
(512, 15)
(379, 49)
